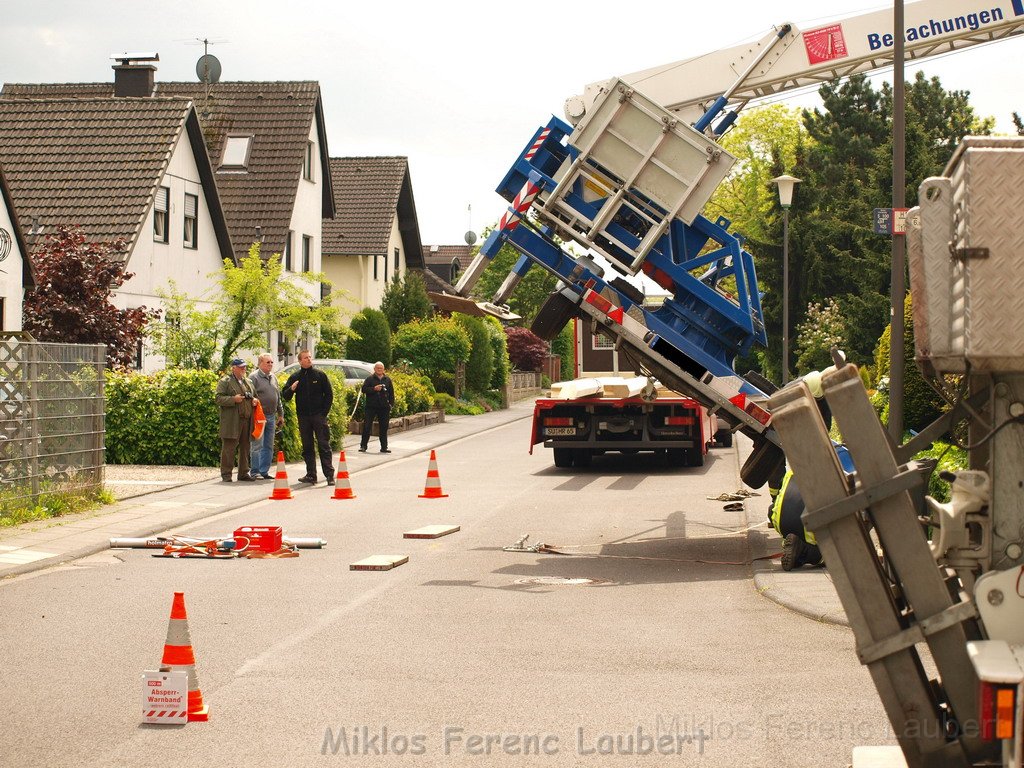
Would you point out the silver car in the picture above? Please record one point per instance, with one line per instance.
(354, 371)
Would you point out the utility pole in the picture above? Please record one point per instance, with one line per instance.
(899, 185)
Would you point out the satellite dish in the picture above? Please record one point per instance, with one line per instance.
(470, 237)
(208, 69)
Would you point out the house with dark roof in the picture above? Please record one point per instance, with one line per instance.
(130, 170)
(15, 267)
(267, 144)
(375, 234)
(447, 261)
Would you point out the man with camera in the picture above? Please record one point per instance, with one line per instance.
(234, 396)
(380, 398)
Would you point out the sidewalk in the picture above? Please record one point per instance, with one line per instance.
(807, 591)
(46, 543)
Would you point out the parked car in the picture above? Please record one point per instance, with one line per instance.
(354, 371)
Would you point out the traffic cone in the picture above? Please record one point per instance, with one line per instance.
(178, 656)
(281, 487)
(342, 488)
(432, 490)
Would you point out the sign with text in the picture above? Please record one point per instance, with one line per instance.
(164, 697)
(883, 221)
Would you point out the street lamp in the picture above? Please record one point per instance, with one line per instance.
(785, 185)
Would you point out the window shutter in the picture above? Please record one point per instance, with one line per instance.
(162, 195)
(191, 204)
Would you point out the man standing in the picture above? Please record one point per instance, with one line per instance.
(380, 397)
(234, 396)
(264, 385)
(313, 397)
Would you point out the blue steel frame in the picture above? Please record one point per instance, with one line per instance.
(698, 319)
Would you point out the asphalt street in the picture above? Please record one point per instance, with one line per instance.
(465, 655)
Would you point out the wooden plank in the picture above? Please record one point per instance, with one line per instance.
(431, 532)
(379, 563)
(616, 386)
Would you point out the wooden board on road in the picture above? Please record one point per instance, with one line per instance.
(431, 532)
(379, 563)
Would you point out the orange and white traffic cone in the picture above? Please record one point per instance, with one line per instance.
(178, 656)
(342, 488)
(432, 490)
(281, 488)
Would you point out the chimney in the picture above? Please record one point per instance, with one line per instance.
(132, 78)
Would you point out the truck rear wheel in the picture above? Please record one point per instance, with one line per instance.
(695, 457)
(581, 457)
(723, 438)
(763, 462)
(553, 315)
(563, 457)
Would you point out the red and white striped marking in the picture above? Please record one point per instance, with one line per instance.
(537, 144)
(520, 206)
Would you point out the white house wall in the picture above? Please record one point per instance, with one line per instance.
(307, 216)
(11, 269)
(156, 264)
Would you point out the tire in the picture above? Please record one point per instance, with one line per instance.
(694, 457)
(761, 382)
(553, 315)
(763, 462)
(563, 457)
(723, 438)
(582, 457)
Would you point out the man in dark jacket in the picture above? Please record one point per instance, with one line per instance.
(313, 397)
(380, 397)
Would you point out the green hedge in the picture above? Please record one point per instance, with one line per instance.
(168, 417)
(414, 393)
(171, 417)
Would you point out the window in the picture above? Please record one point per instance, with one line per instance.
(307, 162)
(376, 266)
(286, 259)
(601, 341)
(161, 209)
(456, 269)
(137, 360)
(191, 220)
(397, 254)
(236, 153)
(385, 267)
(307, 250)
(3, 327)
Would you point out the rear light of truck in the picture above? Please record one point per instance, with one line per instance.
(596, 299)
(558, 421)
(678, 421)
(759, 413)
(998, 705)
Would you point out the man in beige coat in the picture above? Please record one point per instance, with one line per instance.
(234, 396)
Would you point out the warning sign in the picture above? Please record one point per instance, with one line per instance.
(825, 44)
(164, 697)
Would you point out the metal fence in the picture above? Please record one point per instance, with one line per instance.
(51, 418)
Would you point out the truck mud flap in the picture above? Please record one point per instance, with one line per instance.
(764, 461)
(554, 314)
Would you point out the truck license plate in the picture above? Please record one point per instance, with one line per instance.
(560, 431)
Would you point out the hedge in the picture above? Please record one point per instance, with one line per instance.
(171, 418)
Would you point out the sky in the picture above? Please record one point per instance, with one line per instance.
(457, 87)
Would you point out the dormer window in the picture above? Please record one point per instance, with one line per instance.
(236, 153)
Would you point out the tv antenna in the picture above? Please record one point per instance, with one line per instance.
(208, 68)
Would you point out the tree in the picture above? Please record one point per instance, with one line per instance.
(824, 328)
(405, 299)
(371, 337)
(71, 301)
(253, 299)
(525, 349)
(434, 346)
(480, 365)
(528, 296)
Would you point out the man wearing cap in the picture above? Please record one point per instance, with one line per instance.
(234, 396)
